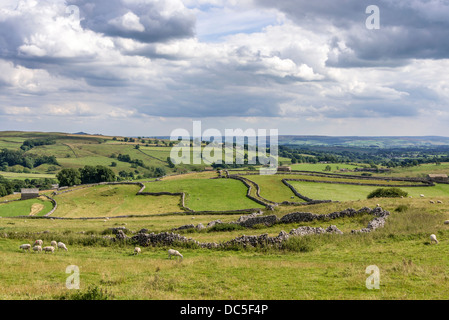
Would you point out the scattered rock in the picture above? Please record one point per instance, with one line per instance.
(120, 235)
(187, 226)
(117, 229)
(213, 223)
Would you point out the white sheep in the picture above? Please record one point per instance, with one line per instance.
(62, 246)
(431, 201)
(137, 250)
(25, 247)
(37, 248)
(421, 195)
(433, 238)
(53, 244)
(378, 205)
(172, 252)
(439, 201)
(38, 243)
(49, 249)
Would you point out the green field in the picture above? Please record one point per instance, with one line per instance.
(341, 192)
(23, 208)
(207, 194)
(418, 171)
(335, 167)
(109, 201)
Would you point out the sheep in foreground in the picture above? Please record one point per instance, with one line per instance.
(38, 243)
(37, 249)
(53, 244)
(49, 249)
(433, 238)
(172, 252)
(25, 247)
(62, 246)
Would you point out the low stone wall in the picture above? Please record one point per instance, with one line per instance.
(362, 184)
(168, 238)
(264, 202)
(307, 216)
(348, 176)
(266, 220)
(55, 205)
(7, 201)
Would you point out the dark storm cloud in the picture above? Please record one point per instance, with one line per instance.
(408, 29)
(109, 17)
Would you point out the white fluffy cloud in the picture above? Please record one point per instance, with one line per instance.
(255, 62)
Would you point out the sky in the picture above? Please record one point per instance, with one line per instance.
(148, 67)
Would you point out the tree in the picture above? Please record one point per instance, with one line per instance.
(3, 191)
(68, 177)
(387, 193)
(160, 172)
(90, 174)
(170, 162)
(113, 164)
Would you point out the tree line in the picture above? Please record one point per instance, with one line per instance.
(18, 157)
(10, 186)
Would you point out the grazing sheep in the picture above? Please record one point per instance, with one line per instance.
(421, 195)
(446, 222)
(37, 248)
(62, 246)
(38, 243)
(172, 252)
(431, 201)
(378, 205)
(137, 250)
(410, 197)
(439, 201)
(433, 238)
(49, 249)
(53, 244)
(25, 247)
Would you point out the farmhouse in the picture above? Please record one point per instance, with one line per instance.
(285, 168)
(438, 177)
(29, 194)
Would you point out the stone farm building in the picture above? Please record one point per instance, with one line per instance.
(284, 168)
(29, 193)
(438, 177)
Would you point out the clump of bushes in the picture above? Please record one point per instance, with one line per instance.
(387, 193)
(92, 293)
(401, 208)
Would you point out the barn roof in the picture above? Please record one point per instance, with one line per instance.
(35, 190)
(439, 175)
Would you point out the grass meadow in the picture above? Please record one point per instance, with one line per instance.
(311, 267)
(327, 266)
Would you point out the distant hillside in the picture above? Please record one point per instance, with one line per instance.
(365, 142)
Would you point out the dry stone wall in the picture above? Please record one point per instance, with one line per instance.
(170, 238)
